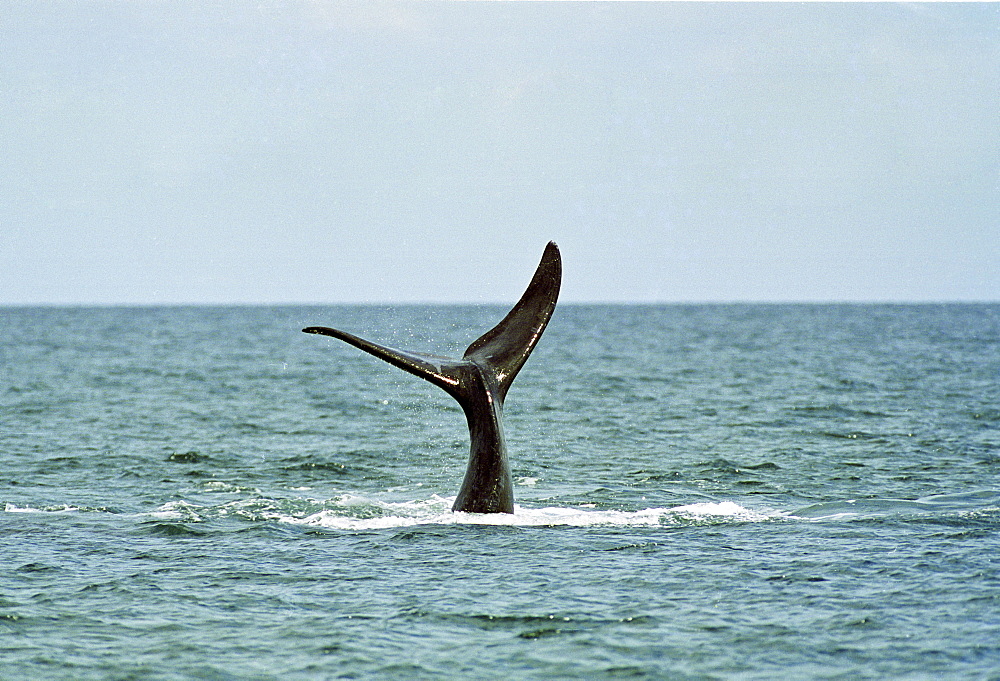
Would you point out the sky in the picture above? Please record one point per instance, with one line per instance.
(325, 152)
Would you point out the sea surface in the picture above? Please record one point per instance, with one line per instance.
(703, 492)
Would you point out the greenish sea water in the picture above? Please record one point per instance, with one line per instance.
(704, 492)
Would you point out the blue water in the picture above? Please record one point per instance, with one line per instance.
(704, 492)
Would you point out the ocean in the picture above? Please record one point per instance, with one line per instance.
(703, 492)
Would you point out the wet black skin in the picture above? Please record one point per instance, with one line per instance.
(479, 381)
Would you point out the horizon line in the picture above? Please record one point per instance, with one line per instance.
(432, 303)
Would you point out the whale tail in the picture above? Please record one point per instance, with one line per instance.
(502, 350)
(479, 381)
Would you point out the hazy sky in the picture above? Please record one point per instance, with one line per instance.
(283, 151)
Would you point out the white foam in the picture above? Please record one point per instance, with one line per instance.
(65, 508)
(175, 510)
(225, 487)
(435, 511)
(356, 512)
(724, 508)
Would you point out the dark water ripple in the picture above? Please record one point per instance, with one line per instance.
(706, 492)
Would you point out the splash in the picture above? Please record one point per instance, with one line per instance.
(436, 511)
(355, 512)
(62, 508)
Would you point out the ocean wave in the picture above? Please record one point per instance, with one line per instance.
(60, 508)
(964, 503)
(356, 512)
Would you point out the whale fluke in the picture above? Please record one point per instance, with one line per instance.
(479, 381)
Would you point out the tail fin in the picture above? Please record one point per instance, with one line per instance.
(502, 350)
(479, 382)
(441, 371)
(505, 347)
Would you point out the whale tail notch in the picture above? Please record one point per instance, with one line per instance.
(479, 381)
